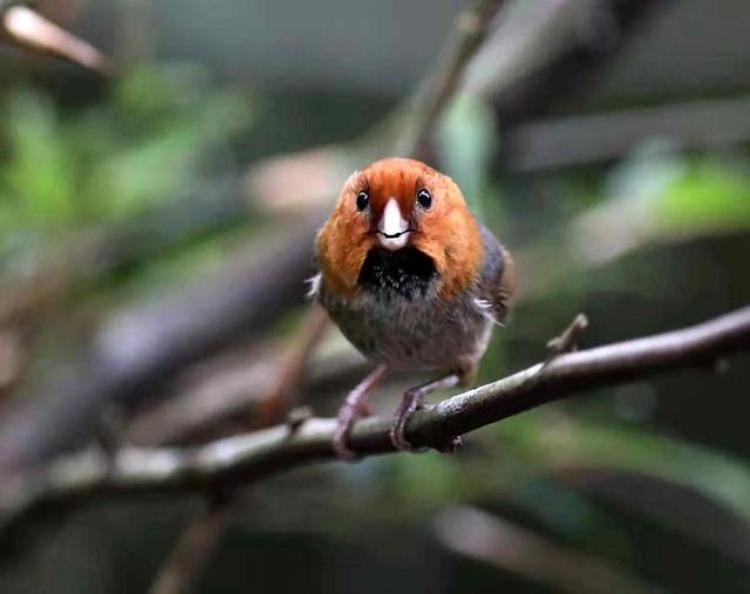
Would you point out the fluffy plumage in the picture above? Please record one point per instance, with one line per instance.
(411, 278)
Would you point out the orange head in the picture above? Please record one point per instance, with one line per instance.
(393, 204)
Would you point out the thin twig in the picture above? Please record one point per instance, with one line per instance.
(194, 547)
(280, 398)
(568, 340)
(252, 457)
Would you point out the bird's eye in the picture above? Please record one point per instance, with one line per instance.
(424, 198)
(363, 199)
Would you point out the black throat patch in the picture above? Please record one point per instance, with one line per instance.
(406, 272)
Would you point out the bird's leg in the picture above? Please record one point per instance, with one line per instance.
(411, 401)
(354, 407)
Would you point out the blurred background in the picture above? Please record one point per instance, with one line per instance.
(156, 228)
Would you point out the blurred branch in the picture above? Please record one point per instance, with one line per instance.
(582, 139)
(216, 399)
(281, 395)
(252, 457)
(136, 352)
(559, 56)
(28, 29)
(471, 30)
(11, 361)
(192, 551)
(476, 534)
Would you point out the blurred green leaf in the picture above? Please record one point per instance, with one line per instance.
(466, 144)
(659, 195)
(708, 196)
(38, 175)
(115, 159)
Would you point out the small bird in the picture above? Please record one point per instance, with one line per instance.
(413, 281)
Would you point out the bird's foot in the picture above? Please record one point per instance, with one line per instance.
(341, 442)
(348, 415)
(410, 403)
(399, 441)
(355, 407)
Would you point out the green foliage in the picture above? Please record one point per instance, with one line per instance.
(38, 181)
(707, 195)
(658, 196)
(111, 161)
(466, 144)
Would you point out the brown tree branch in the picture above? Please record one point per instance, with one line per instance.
(28, 29)
(282, 395)
(239, 460)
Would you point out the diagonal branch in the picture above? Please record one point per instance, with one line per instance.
(471, 30)
(238, 460)
(29, 29)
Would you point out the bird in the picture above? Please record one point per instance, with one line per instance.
(413, 280)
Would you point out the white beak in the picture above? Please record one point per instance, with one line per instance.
(393, 229)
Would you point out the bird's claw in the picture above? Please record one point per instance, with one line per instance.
(398, 437)
(355, 407)
(347, 416)
(399, 441)
(340, 443)
(410, 404)
(343, 451)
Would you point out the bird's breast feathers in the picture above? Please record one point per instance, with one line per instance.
(399, 318)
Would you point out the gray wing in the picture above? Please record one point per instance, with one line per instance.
(496, 281)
